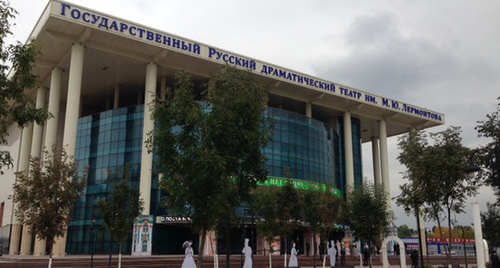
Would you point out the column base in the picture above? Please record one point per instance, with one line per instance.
(59, 247)
(15, 239)
(25, 241)
(40, 246)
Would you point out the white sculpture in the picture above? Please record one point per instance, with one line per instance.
(188, 260)
(247, 250)
(332, 251)
(293, 257)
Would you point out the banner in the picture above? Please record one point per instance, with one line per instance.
(143, 235)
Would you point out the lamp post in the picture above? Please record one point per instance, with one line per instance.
(408, 211)
(465, 250)
(475, 254)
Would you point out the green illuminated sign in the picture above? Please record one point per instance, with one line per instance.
(298, 184)
(304, 185)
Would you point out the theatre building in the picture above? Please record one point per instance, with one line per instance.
(96, 74)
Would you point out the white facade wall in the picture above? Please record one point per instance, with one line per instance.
(8, 178)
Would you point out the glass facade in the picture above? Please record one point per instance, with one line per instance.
(305, 145)
(110, 142)
(107, 143)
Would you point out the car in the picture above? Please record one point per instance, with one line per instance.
(453, 253)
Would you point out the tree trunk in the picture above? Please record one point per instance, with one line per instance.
(201, 247)
(447, 252)
(270, 251)
(314, 249)
(228, 243)
(120, 255)
(50, 260)
(110, 251)
(286, 248)
(270, 259)
(215, 252)
(450, 261)
(51, 243)
(370, 254)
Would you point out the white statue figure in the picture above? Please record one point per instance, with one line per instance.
(188, 260)
(247, 250)
(332, 251)
(293, 257)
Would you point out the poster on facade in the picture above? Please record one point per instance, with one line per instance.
(142, 235)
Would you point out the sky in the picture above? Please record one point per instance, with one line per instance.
(441, 55)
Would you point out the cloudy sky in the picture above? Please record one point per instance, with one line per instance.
(442, 55)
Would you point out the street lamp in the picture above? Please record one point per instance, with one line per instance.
(493, 162)
(475, 253)
(408, 211)
(465, 250)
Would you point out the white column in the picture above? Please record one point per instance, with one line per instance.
(478, 235)
(36, 151)
(384, 159)
(36, 146)
(348, 154)
(309, 109)
(22, 166)
(51, 131)
(116, 103)
(73, 99)
(376, 161)
(71, 119)
(147, 158)
(54, 105)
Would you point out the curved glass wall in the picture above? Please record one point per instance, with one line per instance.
(111, 141)
(305, 145)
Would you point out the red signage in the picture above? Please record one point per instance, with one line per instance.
(453, 240)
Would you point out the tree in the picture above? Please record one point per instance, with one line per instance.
(491, 224)
(312, 216)
(367, 213)
(46, 195)
(331, 210)
(321, 210)
(210, 159)
(489, 156)
(264, 204)
(119, 213)
(289, 210)
(15, 105)
(282, 210)
(436, 176)
(466, 232)
(405, 231)
(456, 232)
